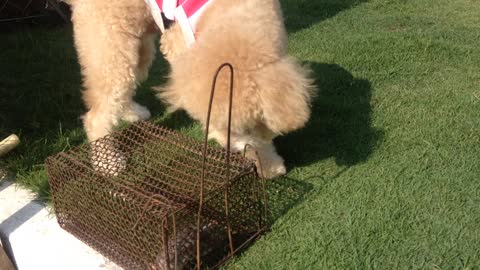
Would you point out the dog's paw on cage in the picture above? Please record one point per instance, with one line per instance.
(107, 158)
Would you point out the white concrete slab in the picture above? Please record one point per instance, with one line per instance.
(32, 236)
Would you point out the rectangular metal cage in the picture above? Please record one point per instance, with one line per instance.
(136, 196)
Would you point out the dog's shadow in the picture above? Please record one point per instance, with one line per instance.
(340, 124)
(301, 14)
(283, 194)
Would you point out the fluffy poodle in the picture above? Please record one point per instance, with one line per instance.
(272, 92)
(115, 46)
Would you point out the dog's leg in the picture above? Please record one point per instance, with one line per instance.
(268, 161)
(108, 97)
(147, 54)
(134, 111)
(109, 60)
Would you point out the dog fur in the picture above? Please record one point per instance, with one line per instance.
(272, 92)
(115, 46)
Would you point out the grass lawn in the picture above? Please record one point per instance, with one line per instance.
(387, 173)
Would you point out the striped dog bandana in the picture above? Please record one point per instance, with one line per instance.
(185, 12)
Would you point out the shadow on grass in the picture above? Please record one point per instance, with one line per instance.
(300, 14)
(283, 194)
(340, 124)
(37, 79)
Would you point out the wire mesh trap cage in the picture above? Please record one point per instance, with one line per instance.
(149, 198)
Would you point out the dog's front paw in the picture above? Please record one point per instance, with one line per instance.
(273, 169)
(269, 163)
(135, 112)
(107, 159)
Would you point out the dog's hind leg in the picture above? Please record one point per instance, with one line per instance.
(109, 53)
(147, 54)
(134, 111)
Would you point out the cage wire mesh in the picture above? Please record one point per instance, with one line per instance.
(149, 198)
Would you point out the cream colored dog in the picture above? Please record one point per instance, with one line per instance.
(115, 46)
(272, 91)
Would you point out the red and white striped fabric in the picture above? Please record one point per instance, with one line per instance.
(185, 12)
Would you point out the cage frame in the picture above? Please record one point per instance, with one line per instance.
(232, 250)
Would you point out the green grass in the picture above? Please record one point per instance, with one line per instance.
(386, 175)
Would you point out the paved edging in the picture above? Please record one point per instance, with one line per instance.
(32, 235)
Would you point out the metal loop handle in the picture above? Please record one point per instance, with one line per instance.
(202, 179)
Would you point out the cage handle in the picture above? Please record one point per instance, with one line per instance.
(205, 145)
